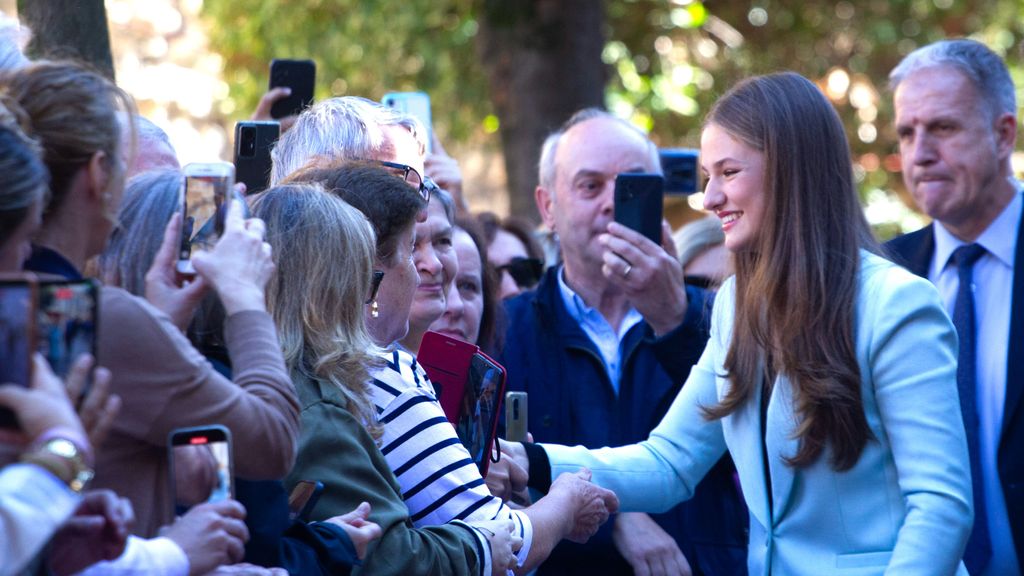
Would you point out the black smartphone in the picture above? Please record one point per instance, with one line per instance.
(201, 466)
(638, 203)
(66, 320)
(680, 168)
(206, 188)
(300, 76)
(253, 143)
(516, 416)
(17, 336)
(303, 499)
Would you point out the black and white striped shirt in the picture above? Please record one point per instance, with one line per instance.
(439, 480)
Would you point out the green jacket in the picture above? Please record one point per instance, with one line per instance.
(336, 449)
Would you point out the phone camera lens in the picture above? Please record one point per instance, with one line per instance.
(247, 145)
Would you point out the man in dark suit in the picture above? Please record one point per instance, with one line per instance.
(956, 116)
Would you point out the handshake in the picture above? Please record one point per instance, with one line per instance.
(579, 506)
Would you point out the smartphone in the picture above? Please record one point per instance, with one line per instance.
(470, 387)
(638, 203)
(17, 336)
(680, 168)
(66, 320)
(201, 466)
(304, 498)
(300, 76)
(205, 189)
(253, 143)
(516, 416)
(415, 104)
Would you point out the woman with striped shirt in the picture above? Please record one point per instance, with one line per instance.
(440, 483)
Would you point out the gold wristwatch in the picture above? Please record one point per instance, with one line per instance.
(63, 458)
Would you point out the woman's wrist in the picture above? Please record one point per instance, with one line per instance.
(64, 453)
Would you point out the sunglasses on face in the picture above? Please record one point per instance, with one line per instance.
(526, 272)
(424, 185)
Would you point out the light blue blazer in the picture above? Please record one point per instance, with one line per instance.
(904, 508)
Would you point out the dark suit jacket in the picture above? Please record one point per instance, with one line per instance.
(914, 251)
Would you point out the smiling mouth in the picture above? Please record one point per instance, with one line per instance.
(730, 218)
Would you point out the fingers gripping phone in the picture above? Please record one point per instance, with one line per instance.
(17, 337)
(516, 417)
(206, 188)
(300, 76)
(638, 203)
(202, 468)
(253, 143)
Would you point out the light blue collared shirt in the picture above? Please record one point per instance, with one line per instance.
(993, 290)
(601, 333)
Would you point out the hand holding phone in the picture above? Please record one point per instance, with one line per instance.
(300, 77)
(206, 188)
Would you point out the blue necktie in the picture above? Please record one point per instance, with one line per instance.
(979, 547)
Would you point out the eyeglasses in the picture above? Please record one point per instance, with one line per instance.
(525, 271)
(378, 275)
(421, 183)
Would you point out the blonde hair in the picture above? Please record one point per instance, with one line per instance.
(323, 251)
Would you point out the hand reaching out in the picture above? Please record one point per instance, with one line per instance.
(359, 529)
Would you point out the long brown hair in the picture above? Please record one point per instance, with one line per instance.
(323, 257)
(796, 287)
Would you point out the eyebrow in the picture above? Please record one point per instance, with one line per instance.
(719, 163)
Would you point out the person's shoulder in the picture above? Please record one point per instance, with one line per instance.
(883, 283)
(132, 318)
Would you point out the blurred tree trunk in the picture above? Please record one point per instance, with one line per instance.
(543, 62)
(69, 28)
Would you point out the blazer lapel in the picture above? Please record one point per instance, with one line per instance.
(780, 445)
(740, 428)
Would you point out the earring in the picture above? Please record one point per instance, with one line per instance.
(374, 309)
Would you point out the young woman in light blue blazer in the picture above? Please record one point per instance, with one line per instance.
(830, 375)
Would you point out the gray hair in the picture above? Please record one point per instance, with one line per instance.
(150, 200)
(546, 166)
(983, 67)
(695, 237)
(344, 127)
(441, 195)
(13, 39)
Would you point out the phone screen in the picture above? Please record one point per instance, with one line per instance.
(481, 401)
(206, 189)
(200, 466)
(66, 322)
(17, 301)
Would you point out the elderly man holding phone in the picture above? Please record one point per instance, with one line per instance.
(603, 345)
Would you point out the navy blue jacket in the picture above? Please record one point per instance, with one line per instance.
(572, 401)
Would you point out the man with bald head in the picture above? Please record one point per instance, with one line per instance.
(956, 117)
(603, 346)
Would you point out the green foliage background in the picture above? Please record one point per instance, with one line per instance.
(667, 60)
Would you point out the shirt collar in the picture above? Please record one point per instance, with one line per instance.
(584, 314)
(999, 239)
(47, 261)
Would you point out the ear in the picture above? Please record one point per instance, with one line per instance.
(99, 177)
(1006, 134)
(545, 200)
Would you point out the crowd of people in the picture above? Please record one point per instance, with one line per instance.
(770, 391)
